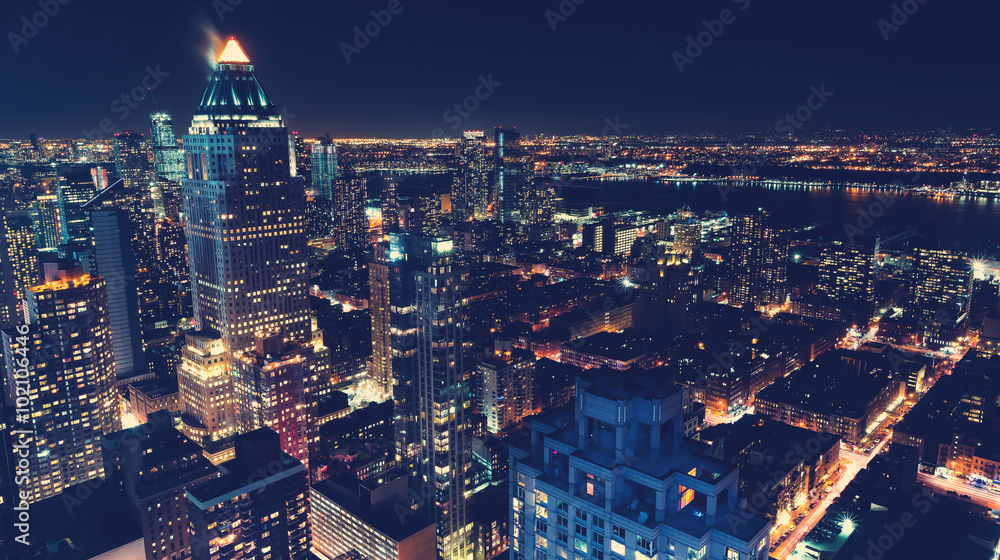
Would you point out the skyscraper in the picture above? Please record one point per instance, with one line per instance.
(258, 508)
(74, 188)
(256, 357)
(205, 383)
(504, 380)
(941, 296)
(9, 295)
(323, 161)
(71, 389)
(132, 164)
(274, 387)
(432, 387)
(350, 227)
(168, 162)
(566, 496)
(513, 176)
(20, 267)
(115, 261)
(379, 307)
(428, 214)
(759, 263)
(46, 220)
(848, 271)
(244, 220)
(390, 205)
(470, 193)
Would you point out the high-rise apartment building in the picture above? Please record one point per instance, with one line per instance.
(21, 252)
(665, 294)
(380, 308)
(941, 296)
(257, 509)
(504, 380)
(759, 262)
(350, 228)
(369, 520)
(470, 193)
(513, 171)
(153, 464)
(848, 271)
(132, 164)
(275, 386)
(47, 223)
(71, 389)
(662, 497)
(432, 383)
(390, 205)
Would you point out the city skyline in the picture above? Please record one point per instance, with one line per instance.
(745, 76)
(241, 339)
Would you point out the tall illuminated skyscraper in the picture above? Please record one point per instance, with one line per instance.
(47, 223)
(323, 161)
(941, 296)
(71, 389)
(20, 262)
(390, 204)
(848, 271)
(470, 193)
(132, 163)
(256, 358)
(432, 383)
(324, 168)
(379, 307)
(759, 264)
(131, 153)
(244, 218)
(168, 162)
(350, 228)
(74, 188)
(513, 177)
(274, 387)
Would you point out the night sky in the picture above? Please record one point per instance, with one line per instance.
(604, 60)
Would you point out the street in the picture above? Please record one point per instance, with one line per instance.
(981, 497)
(852, 463)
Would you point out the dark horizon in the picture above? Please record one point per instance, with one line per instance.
(602, 64)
